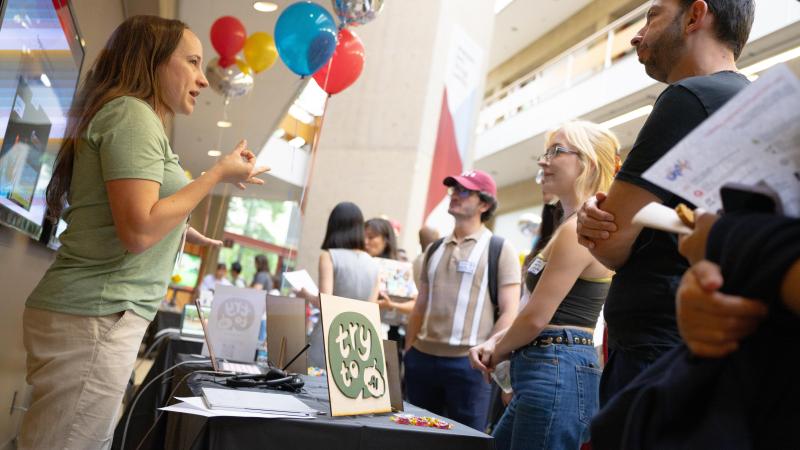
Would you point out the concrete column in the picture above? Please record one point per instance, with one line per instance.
(378, 138)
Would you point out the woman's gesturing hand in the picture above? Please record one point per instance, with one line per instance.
(238, 167)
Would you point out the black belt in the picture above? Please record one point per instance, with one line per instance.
(549, 340)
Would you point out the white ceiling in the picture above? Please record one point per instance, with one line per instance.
(254, 116)
(524, 21)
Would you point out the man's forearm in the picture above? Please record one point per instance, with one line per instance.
(611, 253)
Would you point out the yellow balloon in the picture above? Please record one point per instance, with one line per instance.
(260, 52)
(243, 67)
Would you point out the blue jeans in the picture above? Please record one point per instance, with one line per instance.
(448, 387)
(555, 395)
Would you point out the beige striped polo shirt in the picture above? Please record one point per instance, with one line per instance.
(460, 313)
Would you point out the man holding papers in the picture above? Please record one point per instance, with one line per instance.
(692, 46)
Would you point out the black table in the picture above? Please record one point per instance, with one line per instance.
(155, 396)
(376, 431)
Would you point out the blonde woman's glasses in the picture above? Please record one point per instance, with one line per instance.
(554, 151)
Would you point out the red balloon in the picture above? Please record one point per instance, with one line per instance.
(344, 67)
(227, 37)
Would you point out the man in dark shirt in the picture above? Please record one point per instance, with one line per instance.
(692, 46)
(729, 387)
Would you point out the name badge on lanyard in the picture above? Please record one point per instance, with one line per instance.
(466, 266)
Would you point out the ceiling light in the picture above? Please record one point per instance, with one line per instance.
(628, 116)
(765, 64)
(214, 153)
(264, 6)
(45, 80)
(224, 124)
(297, 142)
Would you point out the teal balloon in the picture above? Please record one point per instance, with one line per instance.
(305, 36)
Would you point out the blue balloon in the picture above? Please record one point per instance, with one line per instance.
(305, 36)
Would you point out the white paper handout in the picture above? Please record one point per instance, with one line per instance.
(235, 322)
(657, 216)
(753, 139)
(300, 279)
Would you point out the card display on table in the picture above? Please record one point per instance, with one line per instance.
(354, 357)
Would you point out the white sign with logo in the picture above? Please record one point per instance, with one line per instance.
(235, 322)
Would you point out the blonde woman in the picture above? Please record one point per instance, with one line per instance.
(555, 372)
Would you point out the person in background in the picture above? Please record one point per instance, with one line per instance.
(455, 310)
(555, 372)
(692, 45)
(262, 279)
(402, 255)
(427, 235)
(218, 277)
(345, 268)
(236, 275)
(129, 201)
(276, 284)
(382, 243)
(380, 240)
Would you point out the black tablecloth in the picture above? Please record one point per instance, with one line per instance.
(324, 432)
(155, 396)
(165, 318)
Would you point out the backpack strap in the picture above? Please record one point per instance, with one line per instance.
(428, 253)
(495, 248)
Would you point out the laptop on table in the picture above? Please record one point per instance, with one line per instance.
(236, 367)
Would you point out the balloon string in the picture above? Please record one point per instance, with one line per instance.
(328, 75)
(315, 144)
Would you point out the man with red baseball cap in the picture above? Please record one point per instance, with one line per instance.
(469, 289)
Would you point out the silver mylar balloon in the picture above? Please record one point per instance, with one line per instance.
(229, 81)
(357, 12)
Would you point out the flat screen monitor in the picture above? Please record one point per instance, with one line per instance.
(188, 270)
(40, 60)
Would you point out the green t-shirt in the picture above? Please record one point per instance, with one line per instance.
(93, 274)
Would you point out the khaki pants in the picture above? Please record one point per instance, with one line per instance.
(79, 367)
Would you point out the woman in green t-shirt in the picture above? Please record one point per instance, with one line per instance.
(129, 200)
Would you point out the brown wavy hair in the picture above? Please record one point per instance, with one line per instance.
(126, 66)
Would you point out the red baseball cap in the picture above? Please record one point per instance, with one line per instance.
(474, 180)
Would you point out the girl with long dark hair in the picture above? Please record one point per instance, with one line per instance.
(345, 268)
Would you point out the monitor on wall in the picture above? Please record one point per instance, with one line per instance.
(40, 61)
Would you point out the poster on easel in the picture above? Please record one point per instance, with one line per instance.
(356, 364)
